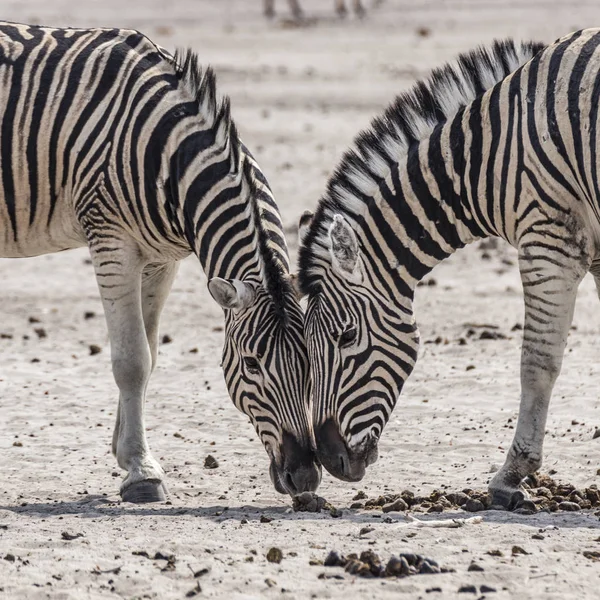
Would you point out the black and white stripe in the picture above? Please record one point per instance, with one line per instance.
(503, 143)
(108, 140)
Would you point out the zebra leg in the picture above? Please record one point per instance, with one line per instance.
(156, 285)
(340, 8)
(269, 8)
(119, 275)
(359, 9)
(550, 282)
(296, 9)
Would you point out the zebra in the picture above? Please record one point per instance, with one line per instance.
(503, 144)
(107, 140)
(340, 8)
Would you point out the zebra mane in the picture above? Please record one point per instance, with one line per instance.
(409, 119)
(201, 83)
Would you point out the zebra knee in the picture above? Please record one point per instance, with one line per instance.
(131, 373)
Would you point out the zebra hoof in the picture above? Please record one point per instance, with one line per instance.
(148, 490)
(507, 498)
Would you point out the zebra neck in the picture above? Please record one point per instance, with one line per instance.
(422, 213)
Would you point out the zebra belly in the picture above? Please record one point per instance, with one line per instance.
(45, 235)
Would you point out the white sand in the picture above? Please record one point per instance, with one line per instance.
(299, 96)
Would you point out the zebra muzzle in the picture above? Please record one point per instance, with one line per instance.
(343, 462)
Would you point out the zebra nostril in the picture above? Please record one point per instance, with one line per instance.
(289, 482)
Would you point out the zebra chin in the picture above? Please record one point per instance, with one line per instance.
(297, 470)
(347, 464)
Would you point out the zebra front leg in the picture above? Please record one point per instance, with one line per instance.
(119, 275)
(156, 285)
(550, 282)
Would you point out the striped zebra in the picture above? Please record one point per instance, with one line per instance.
(503, 144)
(108, 141)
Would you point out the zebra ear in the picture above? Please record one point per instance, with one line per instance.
(345, 254)
(304, 225)
(231, 293)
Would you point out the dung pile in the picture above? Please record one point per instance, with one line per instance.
(310, 502)
(368, 564)
(546, 494)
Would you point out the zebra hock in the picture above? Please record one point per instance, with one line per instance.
(503, 144)
(109, 141)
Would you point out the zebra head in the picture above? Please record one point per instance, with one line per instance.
(362, 346)
(266, 370)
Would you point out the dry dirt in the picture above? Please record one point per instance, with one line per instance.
(299, 96)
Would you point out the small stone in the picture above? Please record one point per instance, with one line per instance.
(518, 550)
(166, 339)
(596, 434)
(433, 589)
(360, 495)
(569, 506)
(89, 314)
(210, 462)
(270, 582)
(495, 553)
(274, 555)
(9, 557)
(65, 535)
(366, 530)
(428, 568)
(333, 559)
(486, 589)
(94, 349)
(264, 519)
(423, 32)
(397, 504)
(475, 567)
(397, 567)
(467, 589)
(538, 536)
(18, 444)
(41, 333)
(474, 505)
(357, 505)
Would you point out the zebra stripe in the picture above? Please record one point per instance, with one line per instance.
(109, 141)
(501, 144)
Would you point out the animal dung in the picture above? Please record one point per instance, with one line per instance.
(310, 502)
(369, 564)
(546, 494)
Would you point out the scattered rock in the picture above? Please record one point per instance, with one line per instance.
(569, 506)
(475, 567)
(474, 505)
(94, 349)
(360, 495)
(399, 504)
(89, 314)
(592, 554)
(210, 462)
(423, 32)
(491, 335)
(41, 333)
(486, 589)
(274, 555)
(166, 339)
(518, 550)
(596, 434)
(10, 557)
(18, 444)
(65, 535)
(467, 589)
(264, 519)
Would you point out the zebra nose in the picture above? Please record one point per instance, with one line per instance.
(300, 470)
(336, 457)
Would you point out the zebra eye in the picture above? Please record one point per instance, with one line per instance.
(348, 337)
(252, 364)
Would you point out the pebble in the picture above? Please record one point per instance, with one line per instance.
(596, 434)
(473, 505)
(210, 462)
(397, 504)
(486, 589)
(569, 506)
(274, 555)
(94, 349)
(467, 589)
(475, 567)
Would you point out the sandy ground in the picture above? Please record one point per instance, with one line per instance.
(299, 96)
